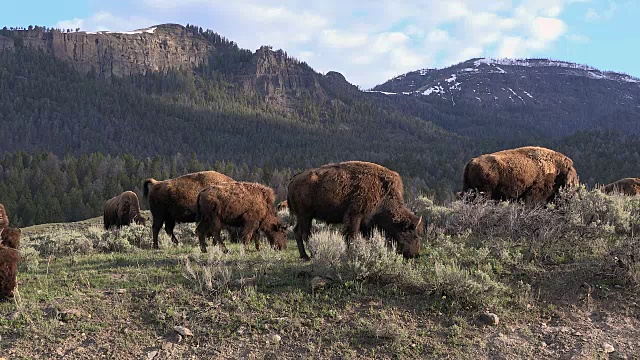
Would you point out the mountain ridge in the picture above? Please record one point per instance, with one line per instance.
(556, 97)
(268, 110)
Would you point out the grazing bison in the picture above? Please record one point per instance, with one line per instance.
(9, 258)
(626, 186)
(121, 210)
(359, 195)
(4, 218)
(239, 204)
(531, 174)
(174, 200)
(283, 205)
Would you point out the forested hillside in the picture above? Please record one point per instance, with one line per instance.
(72, 139)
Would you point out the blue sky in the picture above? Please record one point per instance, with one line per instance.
(372, 41)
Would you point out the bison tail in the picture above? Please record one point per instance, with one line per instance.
(145, 186)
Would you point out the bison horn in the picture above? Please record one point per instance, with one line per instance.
(419, 221)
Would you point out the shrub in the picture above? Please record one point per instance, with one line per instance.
(366, 259)
(328, 251)
(468, 275)
(61, 243)
(209, 276)
(29, 258)
(186, 233)
(123, 239)
(604, 213)
(470, 287)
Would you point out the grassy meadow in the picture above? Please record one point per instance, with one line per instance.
(564, 281)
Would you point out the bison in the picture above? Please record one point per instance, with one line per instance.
(174, 201)
(121, 210)
(4, 218)
(239, 204)
(626, 186)
(359, 195)
(531, 174)
(9, 258)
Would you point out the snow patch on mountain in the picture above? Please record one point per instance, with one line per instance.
(434, 90)
(150, 30)
(531, 63)
(514, 93)
(382, 92)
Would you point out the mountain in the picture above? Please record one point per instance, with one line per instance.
(260, 109)
(87, 115)
(519, 98)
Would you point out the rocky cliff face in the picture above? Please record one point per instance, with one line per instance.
(120, 54)
(6, 43)
(278, 79)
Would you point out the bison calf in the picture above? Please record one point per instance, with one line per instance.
(174, 200)
(626, 186)
(122, 210)
(359, 195)
(531, 174)
(239, 204)
(9, 258)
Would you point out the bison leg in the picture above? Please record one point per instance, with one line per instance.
(157, 225)
(214, 229)
(351, 228)
(169, 225)
(248, 232)
(302, 230)
(202, 230)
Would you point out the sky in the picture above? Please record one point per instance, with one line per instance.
(371, 41)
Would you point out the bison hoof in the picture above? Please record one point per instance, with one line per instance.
(204, 250)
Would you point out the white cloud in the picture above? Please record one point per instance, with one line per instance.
(510, 47)
(548, 29)
(578, 38)
(104, 20)
(607, 14)
(70, 24)
(305, 55)
(335, 39)
(366, 41)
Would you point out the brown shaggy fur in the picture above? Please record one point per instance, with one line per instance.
(239, 204)
(359, 195)
(174, 201)
(9, 258)
(122, 210)
(531, 174)
(627, 186)
(10, 237)
(283, 205)
(4, 218)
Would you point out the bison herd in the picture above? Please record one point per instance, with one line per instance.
(358, 195)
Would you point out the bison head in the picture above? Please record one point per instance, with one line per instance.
(407, 235)
(10, 237)
(139, 219)
(277, 235)
(572, 178)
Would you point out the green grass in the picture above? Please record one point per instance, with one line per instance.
(126, 299)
